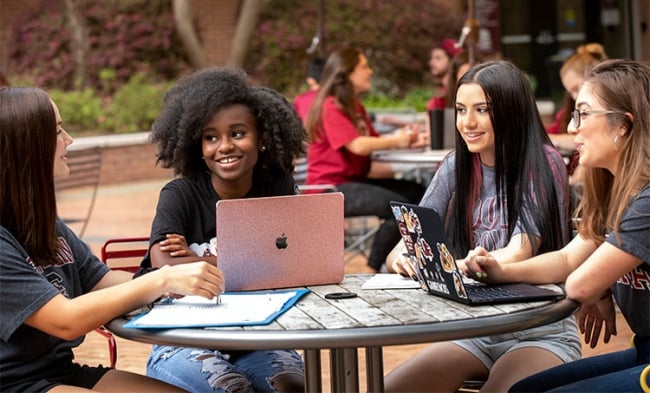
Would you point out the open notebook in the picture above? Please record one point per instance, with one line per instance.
(423, 235)
(234, 309)
(280, 242)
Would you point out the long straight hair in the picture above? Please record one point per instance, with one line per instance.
(27, 147)
(335, 81)
(521, 162)
(621, 86)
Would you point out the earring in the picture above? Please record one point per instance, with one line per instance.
(616, 143)
(263, 148)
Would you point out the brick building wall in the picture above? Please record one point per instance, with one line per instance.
(131, 163)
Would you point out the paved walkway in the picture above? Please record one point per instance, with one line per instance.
(123, 210)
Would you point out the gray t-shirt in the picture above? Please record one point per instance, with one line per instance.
(632, 291)
(490, 223)
(27, 353)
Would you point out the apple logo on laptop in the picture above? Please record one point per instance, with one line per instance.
(281, 241)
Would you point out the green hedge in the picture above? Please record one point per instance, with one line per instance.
(132, 108)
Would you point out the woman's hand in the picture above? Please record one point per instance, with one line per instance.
(176, 246)
(591, 318)
(481, 266)
(196, 278)
(403, 138)
(402, 265)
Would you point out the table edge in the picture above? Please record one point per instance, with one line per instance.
(348, 337)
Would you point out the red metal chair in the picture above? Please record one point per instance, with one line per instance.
(129, 251)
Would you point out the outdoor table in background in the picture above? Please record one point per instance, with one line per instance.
(420, 159)
(372, 320)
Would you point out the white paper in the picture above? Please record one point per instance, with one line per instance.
(390, 281)
(234, 309)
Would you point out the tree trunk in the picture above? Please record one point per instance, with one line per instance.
(79, 43)
(187, 33)
(246, 24)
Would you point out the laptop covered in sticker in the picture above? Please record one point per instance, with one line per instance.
(423, 234)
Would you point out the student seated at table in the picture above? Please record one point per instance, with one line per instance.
(572, 75)
(226, 139)
(611, 254)
(52, 289)
(504, 189)
(342, 139)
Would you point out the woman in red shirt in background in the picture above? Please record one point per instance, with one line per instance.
(572, 75)
(342, 140)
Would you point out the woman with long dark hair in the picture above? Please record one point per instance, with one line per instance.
(503, 190)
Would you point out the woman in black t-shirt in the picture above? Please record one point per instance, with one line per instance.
(226, 139)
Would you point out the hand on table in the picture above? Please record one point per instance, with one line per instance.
(403, 138)
(410, 137)
(402, 265)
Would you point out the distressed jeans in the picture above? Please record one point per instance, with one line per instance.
(205, 370)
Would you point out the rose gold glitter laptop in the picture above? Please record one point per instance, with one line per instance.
(279, 242)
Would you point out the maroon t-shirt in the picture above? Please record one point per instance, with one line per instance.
(303, 102)
(329, 161)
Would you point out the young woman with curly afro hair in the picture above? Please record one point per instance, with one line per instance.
(225, 138)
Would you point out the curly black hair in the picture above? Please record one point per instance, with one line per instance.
(198, 96)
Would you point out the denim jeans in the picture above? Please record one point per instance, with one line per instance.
(372, 198)
(612, 372)
(204, 370)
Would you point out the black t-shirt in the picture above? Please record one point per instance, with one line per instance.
(187, 206)
(632, 291)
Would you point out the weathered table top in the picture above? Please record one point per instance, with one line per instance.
(373, 318)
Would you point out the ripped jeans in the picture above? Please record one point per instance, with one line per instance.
(205, 370)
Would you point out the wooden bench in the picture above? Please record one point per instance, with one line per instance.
(85, 169)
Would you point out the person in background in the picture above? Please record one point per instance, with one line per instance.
(303, 101)
(439, 66)
(52, 289)
(457, 68)
(504, 189)
(225, 139)
(611, 254)
(572, 76)
(342, 139)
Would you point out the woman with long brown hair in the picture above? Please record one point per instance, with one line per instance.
(342, 140)
(610, 258)
(52, 289)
